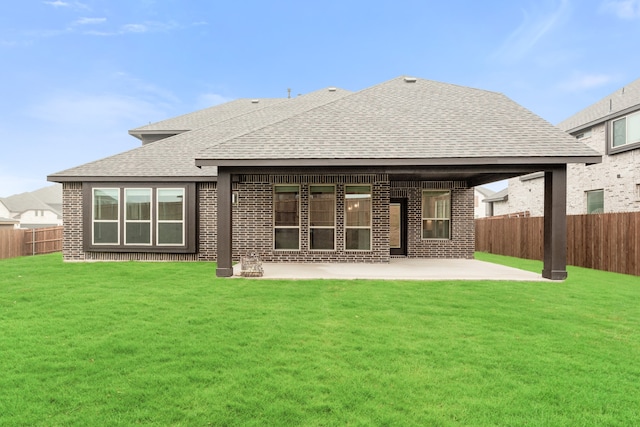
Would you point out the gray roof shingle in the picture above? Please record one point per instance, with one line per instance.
(401, 120)
(393, 120)
(174, 156)
(620, 100)
(209, 116)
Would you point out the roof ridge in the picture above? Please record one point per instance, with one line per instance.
(141, 128)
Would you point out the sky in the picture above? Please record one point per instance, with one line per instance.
(77, 75)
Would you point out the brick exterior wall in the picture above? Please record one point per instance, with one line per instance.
(618, 175)
(253, 221)
(72, 235)
(462, 242)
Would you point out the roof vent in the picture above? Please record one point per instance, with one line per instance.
(332, 89)
(255, 101)
(410, 79)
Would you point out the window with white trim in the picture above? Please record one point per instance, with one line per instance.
(171, 214)
(322, 217)
(286, 217)
(106, 216)
(137, 221)
(357, 206)
(436, 214)
(626, 130)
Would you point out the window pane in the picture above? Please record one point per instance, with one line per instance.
(170, 233)
(138, 204)
(170, 204)
(619, 132)
(105, 204)
(435, 229)
(322, 206)
(105, 232)
(358, 205)
(395, 228)
(436, 204)
(285, 206)
(358, 239)
(138, 232)
(633, 128)
(287, 238)
(595, 202)
(321, 238)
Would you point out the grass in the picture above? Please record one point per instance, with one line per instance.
(120, 344)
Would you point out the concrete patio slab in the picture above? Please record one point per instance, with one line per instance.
(398, 269)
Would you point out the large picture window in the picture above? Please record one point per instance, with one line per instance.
(625, 131)
(286, 217)
(135, 218)
(357, 205)
(436, 214)
(322, 217)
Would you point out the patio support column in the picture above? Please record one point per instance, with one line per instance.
(555, 223)
(225, 224)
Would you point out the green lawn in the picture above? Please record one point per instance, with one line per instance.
(119, 344)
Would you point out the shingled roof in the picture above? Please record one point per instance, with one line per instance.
(618, 103)
(173, 158)
(403, 121)
(409, 121)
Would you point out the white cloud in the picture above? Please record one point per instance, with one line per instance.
(531, 31)
(60, 3)
(582, 82)
(623, 9)
(57, 3)
(89, 21)
(139, 28)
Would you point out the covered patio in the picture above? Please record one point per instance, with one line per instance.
(397, 269)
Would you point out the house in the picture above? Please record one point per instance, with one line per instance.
(611, 126)
(480, 207)
(330, 176)
(37, 209)
(9, 223)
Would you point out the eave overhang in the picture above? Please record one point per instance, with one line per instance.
(373, 162)
(93, 178)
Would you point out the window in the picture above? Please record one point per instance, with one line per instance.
(322, 217)
(106, 209)
(170, 216)
(626, 131)
(286, 217)
(357, 217)
(436, 214)
(137, 216)
(156, 218)
(595, 201)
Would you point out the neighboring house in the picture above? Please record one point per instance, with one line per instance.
(9, 223)
(480, 207)
(331, 176)
(37, 209)
(611, 126)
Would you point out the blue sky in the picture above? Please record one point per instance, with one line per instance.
(77, 75)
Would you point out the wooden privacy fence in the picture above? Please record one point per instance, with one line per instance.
(609, 242)
(22, 242)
